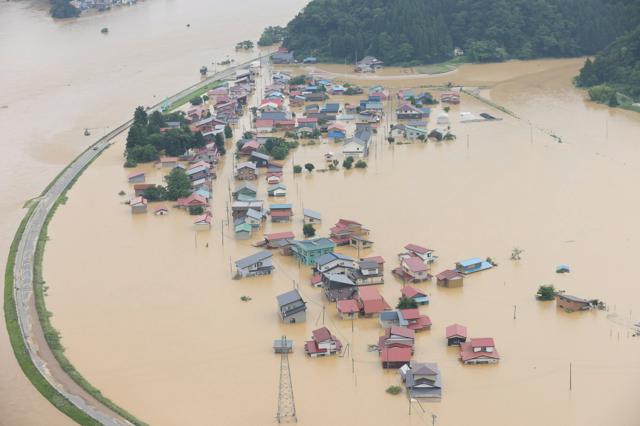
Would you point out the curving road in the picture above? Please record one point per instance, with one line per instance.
(30, 326)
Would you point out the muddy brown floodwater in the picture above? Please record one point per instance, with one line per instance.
(59, 77)
(150, 315)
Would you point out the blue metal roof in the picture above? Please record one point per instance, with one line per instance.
(468, 262)
(280, 206)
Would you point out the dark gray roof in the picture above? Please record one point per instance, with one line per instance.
(288, 297)
(254, 258)
(368, 264)
(311, 213)
(256, 154)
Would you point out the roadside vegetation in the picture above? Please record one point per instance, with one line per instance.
(272, 35)
(61, 9)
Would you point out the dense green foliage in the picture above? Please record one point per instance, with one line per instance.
(361, 164)
(616, 68)
(61, 9)
(546, 292)
(145, 141)
(310, 167)
(297, 169)
(178, 184)
(271, 35)
(406, 303)
(348, 162)
(419, 31)
(278, 148)
(308, 230)
(393, 390)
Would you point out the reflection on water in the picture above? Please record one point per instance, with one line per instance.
(177, 346)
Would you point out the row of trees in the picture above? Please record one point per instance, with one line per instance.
(61, 9)
(419, 31)
(272, 35)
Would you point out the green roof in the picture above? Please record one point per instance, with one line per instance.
(315, 244)
(244, 227)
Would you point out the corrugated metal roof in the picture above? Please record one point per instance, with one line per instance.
(254, 258)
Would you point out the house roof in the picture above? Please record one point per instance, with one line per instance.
(280, 206)
(205, 218)
(246, 186)
(410, 292)
(468, 262)
(254, 214)
(367, 264)
(369, 293)
(264, 123)
(321, 334)
(138, 201)
(415, 264)
(248, 164)
(348, 306)
(316, 243)
(135, 174)
(448, 274)
(417, 249)
(192, 200)
(312, 214)
(410, 314)
(337, 126)
(330, 257)
(402, 331)
(142, 186)
(288, 297)
(281, 213)
(277, 186)
(482, 342)
(378, 259)
(279, 236)
(467, 353)
(259, 155)
(573, 298)
(339, 278)
(456, 330)
(395, 354)
(254, 258)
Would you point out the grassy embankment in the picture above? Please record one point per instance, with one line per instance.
(442, 67)
(52, 335)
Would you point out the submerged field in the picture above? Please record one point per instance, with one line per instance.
(150, 315)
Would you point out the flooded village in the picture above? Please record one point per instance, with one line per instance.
(402, 269)
(365, 243)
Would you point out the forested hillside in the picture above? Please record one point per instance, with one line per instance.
(419, 31)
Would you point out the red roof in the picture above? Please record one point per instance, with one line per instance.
(264, 123)
(410, 314)
(402, 331)
(134, 174)
(482, 342)
(448, 274)
(417, 249)
(281, 213)
(253, 145)
(139, 186)
(346, 222)
(420, 323)
(415, 264)
(192, 200)
(321, 334)
(307, 120)
(313, 348)
(316, 279)
(279, 236)
(369, 293)
(456, 330)
(401, 354)
(467, 353)
(139, 200)
(349, 306)
(205, 218)
(338, 126)
(411, 292)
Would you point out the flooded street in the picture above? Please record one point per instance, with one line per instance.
(58, 78)
(150, 315)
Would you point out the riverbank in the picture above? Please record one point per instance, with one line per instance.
(88, 404)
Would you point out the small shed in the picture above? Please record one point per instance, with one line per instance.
(282, 346)
(136, 177)
(311, 216)
(456, 334)
(450, 278)
(348, 309)
(138, 205)
(203, 223)
(291, 307)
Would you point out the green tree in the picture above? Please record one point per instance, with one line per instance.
(297, 169)
(156, 193)
(406, 303)
(137, 136)
(142, 154)
(308, 230)
(361, 164)
(309, 167)
(546, 292)
(61, 9)
(178, 184)
(348, 162)
(219, 140)
(228, 132)
(140, 117)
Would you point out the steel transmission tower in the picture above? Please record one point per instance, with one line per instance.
(286, 403)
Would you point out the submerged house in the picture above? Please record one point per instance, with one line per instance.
(254, 218)
(281, 212)
(243, 230)
(336, 263)
(367, 272)
(245, 192)
(277, 239)
(291, 307)
(337, 131)
(423, 253)
(415, 320)
(136, 177)
(246, 171)
(412, 269)
(371, 302)
(475, 264)
(395, 357)
(479, 351)
(203, 222)
(260, 263)
(348, 308)
(311, 216)
(338, 287)
(422, 380)
(450, 278)
(358, 145)
(278, 190)
(572, 303)
(138, 205)
(342, 232)
(410, 292)
(456, 334)
(322, 343)
(307, 251)
(397, 337)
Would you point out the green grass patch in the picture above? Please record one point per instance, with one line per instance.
(17, 343)
(186, 98)
(442, 67)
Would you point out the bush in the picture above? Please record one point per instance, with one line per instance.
(309, 167)
(394, 390)
(602, 93)
(228, 132)
(546, 292)
(347, 163)
(196, 210)
(361, 164)
(406, 303)
(196, 101)
(308, 230)
(297, 169)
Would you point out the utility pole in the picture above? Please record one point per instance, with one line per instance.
(570, 377)
(433, 419)
(323, 308)
(514, 311)
(286, 403)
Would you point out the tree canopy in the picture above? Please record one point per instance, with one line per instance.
(419, 31)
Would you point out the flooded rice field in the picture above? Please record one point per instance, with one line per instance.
(150, 314)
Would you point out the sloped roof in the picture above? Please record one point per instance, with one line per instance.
(288, 297)
(456, 330)
(254, 258)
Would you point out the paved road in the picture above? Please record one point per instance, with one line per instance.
(30, 326)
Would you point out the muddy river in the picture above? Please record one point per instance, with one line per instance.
(58, 78)
(150, 315)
